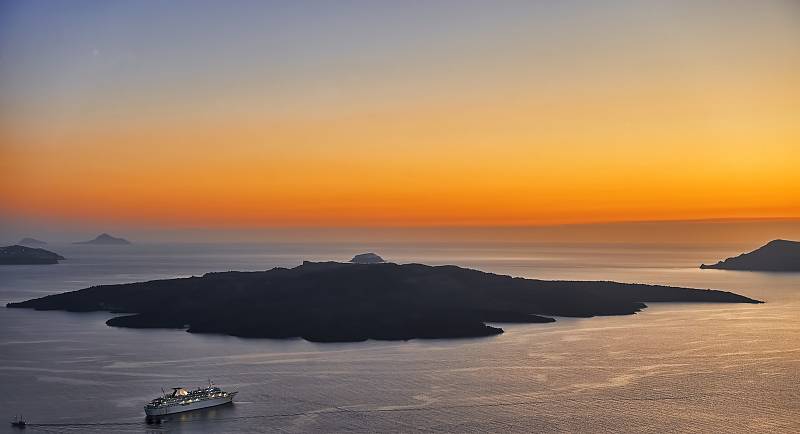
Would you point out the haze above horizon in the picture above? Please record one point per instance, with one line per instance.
(263, 114)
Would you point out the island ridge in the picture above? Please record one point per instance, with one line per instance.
(331, 301)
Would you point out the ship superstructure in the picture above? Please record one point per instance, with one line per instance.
(181, 400)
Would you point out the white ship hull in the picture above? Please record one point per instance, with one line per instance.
(180, 408)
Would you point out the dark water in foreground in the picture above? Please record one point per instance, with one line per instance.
(674, 367)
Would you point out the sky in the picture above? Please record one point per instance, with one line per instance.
(264, 114)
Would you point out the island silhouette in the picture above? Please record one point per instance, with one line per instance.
(28, 241)
(105, 239)
(776, 255)
(341, 302)
(22, 255)
(367, 258)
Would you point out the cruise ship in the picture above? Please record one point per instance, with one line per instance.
(181, 400)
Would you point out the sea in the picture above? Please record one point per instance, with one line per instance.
(674, 367)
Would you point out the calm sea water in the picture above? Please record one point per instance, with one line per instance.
(674, 367)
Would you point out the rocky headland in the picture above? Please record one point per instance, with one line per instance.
(777, 255)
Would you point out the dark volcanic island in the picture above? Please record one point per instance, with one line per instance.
(21, 255)
(776, 255)
(338, 302)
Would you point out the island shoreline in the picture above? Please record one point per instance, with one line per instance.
(344, 302)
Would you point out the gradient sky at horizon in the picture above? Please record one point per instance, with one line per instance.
(373, 113)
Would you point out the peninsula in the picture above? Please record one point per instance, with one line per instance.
(777, 255)
(105, 239)
(21, 255)
(332, 301)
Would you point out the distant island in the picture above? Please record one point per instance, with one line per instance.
(777, 255)
(27, 241)
(367, 258)
(343, 302)
(21, 255)
(105, 239)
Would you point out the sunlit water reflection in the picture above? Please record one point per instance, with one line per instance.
(673, 367)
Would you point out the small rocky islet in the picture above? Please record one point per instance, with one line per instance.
(106, 240)
(28, 241)
(23, 255)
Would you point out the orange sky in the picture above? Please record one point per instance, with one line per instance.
(657, 119)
